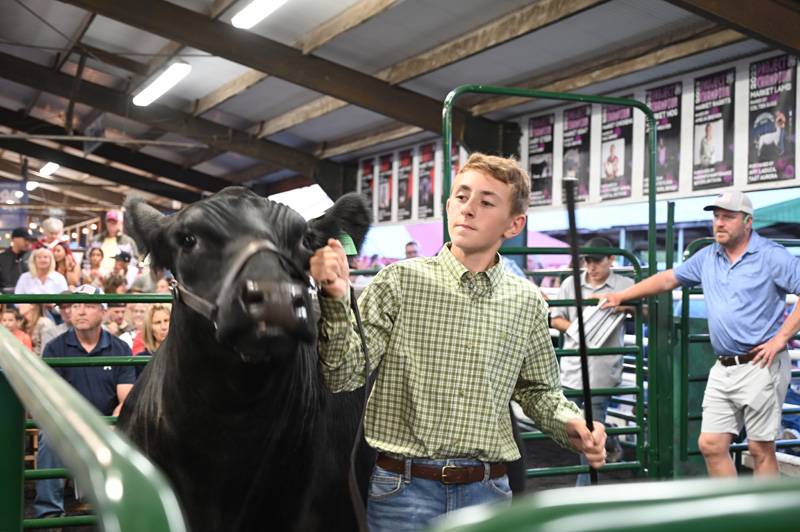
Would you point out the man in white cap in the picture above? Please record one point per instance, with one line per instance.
(745, 279)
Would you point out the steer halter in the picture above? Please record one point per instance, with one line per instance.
(289, 305)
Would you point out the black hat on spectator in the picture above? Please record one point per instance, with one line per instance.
(22, 232)
(597, 242)
(124, 256)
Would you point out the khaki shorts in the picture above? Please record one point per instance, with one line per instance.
(747, 395)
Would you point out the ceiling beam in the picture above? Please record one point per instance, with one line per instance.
(63, 55)
(501, 30)
(633, 58)
(102, 171)
(269, 56)
(621, 65)
(167, 119)
(116, 60)
(97, 194)
(351, 17)
(117, 153)
(766, 20)
(284, 185)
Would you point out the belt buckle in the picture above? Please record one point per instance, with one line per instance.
(445, 469)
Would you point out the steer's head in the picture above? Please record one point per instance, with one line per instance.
(241, 264)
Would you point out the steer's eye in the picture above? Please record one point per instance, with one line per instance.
(187, 241)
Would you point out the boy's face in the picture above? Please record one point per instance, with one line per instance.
(479, 213)
(10, 321)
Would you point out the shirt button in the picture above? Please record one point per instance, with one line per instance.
(461, 393)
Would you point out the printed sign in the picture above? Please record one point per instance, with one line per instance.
(772, 111)
(713, 130)
(666, 105)
(385, 171)
(616, 152)
(577, 143)
(405, 168)
(427, 180)
(540, 159)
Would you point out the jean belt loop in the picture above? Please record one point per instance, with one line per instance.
(407, 472)
(487, 471)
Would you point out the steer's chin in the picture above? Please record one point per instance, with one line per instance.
(257, 350)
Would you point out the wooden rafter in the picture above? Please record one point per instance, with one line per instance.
(771, 21)
(348, 19)
(503, 29)
(633, 58)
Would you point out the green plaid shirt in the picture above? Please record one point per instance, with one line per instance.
(454, 348)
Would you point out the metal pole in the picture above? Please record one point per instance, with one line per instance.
(576, 278)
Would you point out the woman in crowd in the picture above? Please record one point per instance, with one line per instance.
(156, 327)
(41, 277)
(40, 329)
(93, 274)
(135, 314)
(12, 320)
(66, 265)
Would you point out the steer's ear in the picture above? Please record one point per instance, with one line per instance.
(147, 227)
(350, 214)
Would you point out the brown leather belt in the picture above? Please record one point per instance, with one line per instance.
(733, 361)
(449, 474)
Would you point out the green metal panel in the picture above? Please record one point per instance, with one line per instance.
(708, 505)
(128, 492)
(11, 458)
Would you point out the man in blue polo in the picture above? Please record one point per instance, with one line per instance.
(745, 279)
(106, 387)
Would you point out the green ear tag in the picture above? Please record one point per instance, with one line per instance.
(348, 244)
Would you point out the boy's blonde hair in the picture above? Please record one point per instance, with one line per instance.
(506, 170)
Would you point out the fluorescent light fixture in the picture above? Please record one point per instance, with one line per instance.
(19, 194)
(168, 79)
(49, 169)
(30, 186)
(255, 12)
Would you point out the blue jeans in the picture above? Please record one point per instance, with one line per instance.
(50, 492)
(599, 408)
(399, 502)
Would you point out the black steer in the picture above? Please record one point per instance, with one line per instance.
(231, 407)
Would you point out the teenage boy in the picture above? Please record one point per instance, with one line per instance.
(455, 339)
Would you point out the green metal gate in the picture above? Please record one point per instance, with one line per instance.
(126, 489)
(647, 456)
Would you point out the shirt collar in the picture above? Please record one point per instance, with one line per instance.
(754, 245)
(102, 343)
(607, 282)
(459, 272)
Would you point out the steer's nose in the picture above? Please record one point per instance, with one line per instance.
(276, 308)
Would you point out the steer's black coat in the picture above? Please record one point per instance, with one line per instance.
(242, 425)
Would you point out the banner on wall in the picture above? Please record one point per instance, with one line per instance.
(666, 105)
(713, 130)
(540, 159)
(616, 151)
(577, 143)
(771, 156)
(405, 167)
(385, 171)
(367, 177)
(426, 180)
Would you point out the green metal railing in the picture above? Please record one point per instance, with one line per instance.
(126, 490)
(686, 338)
(711, 505)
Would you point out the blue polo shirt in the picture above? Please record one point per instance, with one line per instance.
(98, 384)
(745, 300)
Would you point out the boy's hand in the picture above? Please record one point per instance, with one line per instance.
(329, 269)
(591, 444)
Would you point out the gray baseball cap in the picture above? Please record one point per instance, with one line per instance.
(731, 201)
